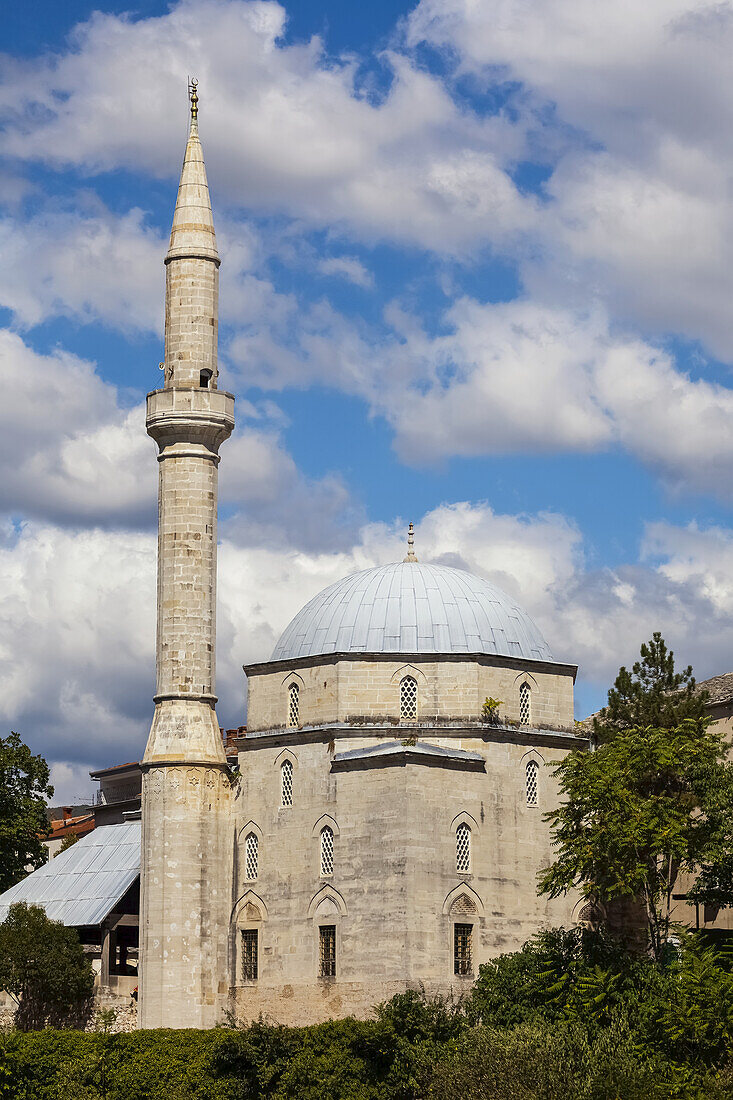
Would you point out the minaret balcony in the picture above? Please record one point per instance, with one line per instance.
(199, 416)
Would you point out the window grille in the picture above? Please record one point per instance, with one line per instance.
(531, 782)
(408, 697)
(293, 705)
(463, 849)
(249, 954)
(326, 850)
(525, 708)
(327, 950)
(286, 783)
(462, 936)
(251, 857)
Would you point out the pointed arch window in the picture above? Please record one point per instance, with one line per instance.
(525, 704)
(408, 698)
(463, 849)
(286, 783)
(293, 706)
(326, 850)
(530, 782)
(251, 857)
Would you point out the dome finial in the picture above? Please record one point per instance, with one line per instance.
(410, 544)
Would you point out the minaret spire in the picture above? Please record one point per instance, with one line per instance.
(186, 848)
(410, 544)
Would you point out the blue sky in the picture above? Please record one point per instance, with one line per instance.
(475, 275)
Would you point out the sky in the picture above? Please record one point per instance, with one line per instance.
(476, 274)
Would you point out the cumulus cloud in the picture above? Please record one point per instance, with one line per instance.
(77, 612)
(288, 128)
(349, 268)
(74, 455)
(639, 206)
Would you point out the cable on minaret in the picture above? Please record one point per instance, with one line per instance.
(410, 544)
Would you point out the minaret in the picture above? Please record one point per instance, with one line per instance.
(186, 832)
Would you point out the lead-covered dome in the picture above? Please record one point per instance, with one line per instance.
(412, 608)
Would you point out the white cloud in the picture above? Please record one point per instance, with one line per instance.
(77, 613)
(349, 268)
(640, 194)
(287, 128)
(88, 264)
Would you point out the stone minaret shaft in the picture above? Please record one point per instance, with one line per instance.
(186, 813)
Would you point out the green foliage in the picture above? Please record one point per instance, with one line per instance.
(43, 967)
(490, 709)
(542, 1062)
(24, 791)
(648, 804)
(69, 839)
(652, 694)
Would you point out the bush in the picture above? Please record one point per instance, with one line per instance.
(43, 967)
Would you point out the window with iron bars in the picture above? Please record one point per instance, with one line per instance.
(251, 857)
(408, 698)
(463, 849)
(462, 936)
(531, 782)
(249, 954)
(327, 951)
(286, 783)
(293, 705)
(525, 705)
(326, 850)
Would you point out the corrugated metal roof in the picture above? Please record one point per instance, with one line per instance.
(412, 608)
(83, 884)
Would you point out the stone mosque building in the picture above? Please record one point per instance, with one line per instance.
(384, 828)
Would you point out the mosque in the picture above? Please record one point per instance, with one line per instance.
(383, 827)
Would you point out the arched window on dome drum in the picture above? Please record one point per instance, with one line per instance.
(408, 698)
(525, 705)
(286, 783)
(251, 857)
(326, 850)
(293, 706)
(530, 782)
(463, 849)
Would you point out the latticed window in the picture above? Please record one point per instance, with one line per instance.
(326, 850)
(327, 950)
(251, 856)
(531, 782)
(525, 705)
(462, 936)
(286, 783)
(408, 697)
(249, 954)
(293, 705)
(463, 849)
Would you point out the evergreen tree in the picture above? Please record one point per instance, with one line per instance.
(652, 694)
(24, 791)
(647, 805)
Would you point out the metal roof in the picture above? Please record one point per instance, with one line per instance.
(412, 608)
(82, 885)
(415, 751)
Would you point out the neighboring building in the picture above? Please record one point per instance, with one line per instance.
(64, 822)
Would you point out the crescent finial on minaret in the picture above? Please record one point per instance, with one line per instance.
(193, 95)
(410, 544)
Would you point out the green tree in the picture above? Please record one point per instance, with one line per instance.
(44, 969)
(24, 790)
(652, 694)
(69, 839)
(647, 805)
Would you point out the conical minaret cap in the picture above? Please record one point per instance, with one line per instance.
(193, 233)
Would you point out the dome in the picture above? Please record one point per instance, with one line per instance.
(412, 608)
